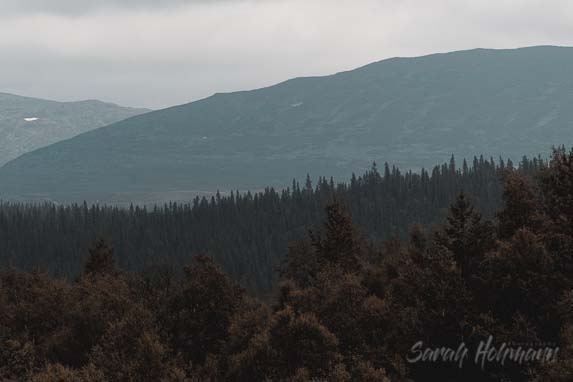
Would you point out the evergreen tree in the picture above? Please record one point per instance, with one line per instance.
(101, 260)
(466, 235)
(521, 208)
(340, 246)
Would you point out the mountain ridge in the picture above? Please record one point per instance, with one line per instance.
(28, 123)
(412, 112)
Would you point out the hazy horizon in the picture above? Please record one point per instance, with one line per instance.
(164, 53)
(273, 83)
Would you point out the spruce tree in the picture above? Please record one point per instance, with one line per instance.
(465, 234)
(340, 245)
(521, 208)
(101, 260)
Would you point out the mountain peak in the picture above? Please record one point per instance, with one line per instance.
(52, 121)
(412, 112)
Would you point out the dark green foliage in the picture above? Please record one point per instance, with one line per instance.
(346, 309)
(247, 234)
(557, 183)
(521, 205)
(340, 247)
(466, 235)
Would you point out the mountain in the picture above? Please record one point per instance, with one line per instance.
(27, 123)
(412, 112)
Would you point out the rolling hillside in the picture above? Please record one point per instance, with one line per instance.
(28, 123)
(412, 112)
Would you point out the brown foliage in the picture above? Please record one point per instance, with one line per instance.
(346, 310)
(198, 315)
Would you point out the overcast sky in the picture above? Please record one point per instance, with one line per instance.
(157, 53)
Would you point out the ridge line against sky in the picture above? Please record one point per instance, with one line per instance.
(161, 53)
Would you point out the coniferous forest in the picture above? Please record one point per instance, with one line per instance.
(247, 234)
(371, 280)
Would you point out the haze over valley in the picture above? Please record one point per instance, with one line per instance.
(409, 112)
(290, 191)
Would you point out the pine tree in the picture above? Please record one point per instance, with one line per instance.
(340, 246)
(465, 234)
(199, 314)
(521, 208)
(557, 183)
(101, 260)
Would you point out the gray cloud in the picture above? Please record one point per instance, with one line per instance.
(176, 51)
(78, 7)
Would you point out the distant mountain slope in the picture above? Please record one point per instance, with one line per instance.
(410, 111)
(30, 123)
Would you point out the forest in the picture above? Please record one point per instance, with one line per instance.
(247, 234)
(370, 269)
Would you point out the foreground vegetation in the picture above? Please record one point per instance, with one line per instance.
(345, 309)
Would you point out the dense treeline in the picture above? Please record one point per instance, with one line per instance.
(345, 310)
(247, 234)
